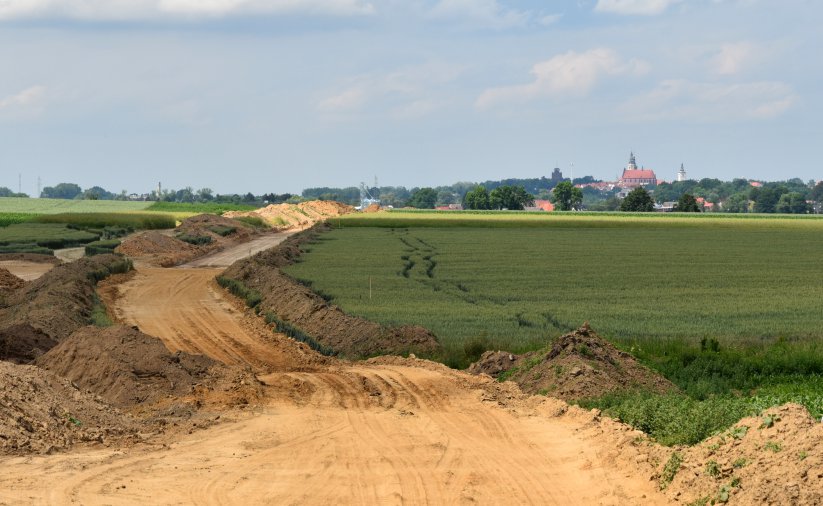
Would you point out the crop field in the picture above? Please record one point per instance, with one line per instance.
(515, 287)
(56, 206)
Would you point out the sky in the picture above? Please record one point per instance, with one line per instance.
(280, 95)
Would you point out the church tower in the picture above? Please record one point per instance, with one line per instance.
(681, 174)
(632, 162)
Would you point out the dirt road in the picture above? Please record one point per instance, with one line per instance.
(27, 271)
(357, 435)
(401, 432)
(230, 255)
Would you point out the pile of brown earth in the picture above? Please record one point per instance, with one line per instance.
(42, 413)
(324, 323)
(30, 257)
(164, 250)
(770, 459)
(45, 311)
(577, 365)
(157, 248)
(302, 215)
(9, 282)
(373, 208)
(133, 370)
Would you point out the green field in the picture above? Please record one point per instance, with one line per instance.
(515, 287)
(656, 285)
(56, 206)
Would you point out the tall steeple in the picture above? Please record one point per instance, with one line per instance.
(681, 174)
(632, 162)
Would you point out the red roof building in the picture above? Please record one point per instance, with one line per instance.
(543, 205)
(633, 177)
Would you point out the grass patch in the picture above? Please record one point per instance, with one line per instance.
(198, 207)
(197, 240)
(239, 289)
(222, 230)
(118, 267)
(133, 221)
(42, 235)
(57, 206)
(99, 317)
(7, 219)
(253, 221)
(297, 334)
(102, 247)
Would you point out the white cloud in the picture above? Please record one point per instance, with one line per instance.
(487, 13)
(732, 58)
(634, 7)
(568, 74)
(29, 97)
(407, 92)
(711, 102)
(125, 10)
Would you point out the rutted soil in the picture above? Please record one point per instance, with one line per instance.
(577, 365)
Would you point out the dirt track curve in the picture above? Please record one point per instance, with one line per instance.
(400, 432)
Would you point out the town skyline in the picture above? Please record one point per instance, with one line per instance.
(288, 95)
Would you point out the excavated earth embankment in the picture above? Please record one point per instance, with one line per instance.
(325, 323)
(290, 216)
(575, 366)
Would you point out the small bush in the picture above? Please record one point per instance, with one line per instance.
(254, 221)
(118, 267)
(101, 247)
(670, 470)
(26, 248)
(222, 230)
(197, 240)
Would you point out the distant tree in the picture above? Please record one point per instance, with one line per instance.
(61, 191)
(566, 196)
(687, 204)
(6, 192)
(638, 201)
(444, 198)
(423, 198)
(97, 193)
(817, 192)
(184, 195)
(737, 203)
(478, 198)
(205, 195)
(767, 197)
(514, 198)
(793, 203)
(249, 197)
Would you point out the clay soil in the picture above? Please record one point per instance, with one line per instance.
(226, 411)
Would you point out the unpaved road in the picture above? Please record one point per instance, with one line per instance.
(230, 255)
(27, 271)
(338, 434)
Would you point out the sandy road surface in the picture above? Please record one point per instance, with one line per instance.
(24, 270)
(230, 255)
(358, 435)
(342, 434)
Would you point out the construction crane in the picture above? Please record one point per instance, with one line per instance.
(366, 198)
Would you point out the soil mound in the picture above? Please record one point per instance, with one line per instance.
(324, 324)
(60, 301)
(125, 366)
(304, 214)
(131, 369)
(373, 208)
(22, 343)
(9, 282)
(576, 366)
(157, 248)
(31, 257)
(41, 413)
(771, 459)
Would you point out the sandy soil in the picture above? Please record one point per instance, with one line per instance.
(27, 271)
(412, 436)
(230, 255)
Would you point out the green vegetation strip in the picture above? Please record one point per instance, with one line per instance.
(57, 206)
(198, 207)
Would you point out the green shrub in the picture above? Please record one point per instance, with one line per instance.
(239, 289)
(25, 248)
(670, 470)
(197, 240)
(101, 247)
(223, 230)
(118, 267)
(674, 419)
(135, 221)
(254, 221)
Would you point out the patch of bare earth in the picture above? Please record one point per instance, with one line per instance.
(302, 215)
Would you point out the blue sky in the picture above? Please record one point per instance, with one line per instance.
(279, 95)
